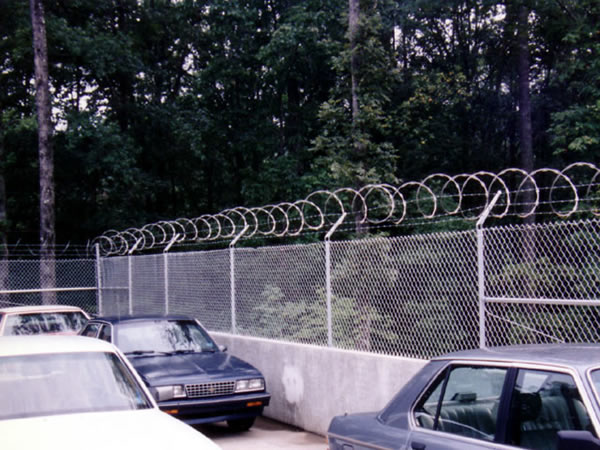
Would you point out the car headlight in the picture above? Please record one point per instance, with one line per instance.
(164, 393)
(253, 384)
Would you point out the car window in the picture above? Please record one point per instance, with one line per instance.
(105, 333)
(463, 400)
(47, 322)
(91, 330)
(65, 383)
(595, 375)
(543, 403)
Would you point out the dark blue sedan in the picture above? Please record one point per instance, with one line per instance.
(534, 397)
(188, 374)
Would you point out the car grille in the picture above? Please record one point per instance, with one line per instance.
(209, 389)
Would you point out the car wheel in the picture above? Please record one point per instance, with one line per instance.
(241, 424)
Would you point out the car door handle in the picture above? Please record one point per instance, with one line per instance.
(417, 446)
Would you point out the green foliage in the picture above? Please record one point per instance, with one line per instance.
(304, 321)
(575, 128)
(358, 150)
(178, 108)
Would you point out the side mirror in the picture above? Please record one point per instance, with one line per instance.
(223, 348)
(581, 440)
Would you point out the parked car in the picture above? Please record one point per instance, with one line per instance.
(70, 392)
(188, 374)
(42, 319)
(535, 397)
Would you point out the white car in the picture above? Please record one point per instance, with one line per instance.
(42, 319)
(73, 392)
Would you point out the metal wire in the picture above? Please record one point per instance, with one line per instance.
(415, 296)
(565, 192)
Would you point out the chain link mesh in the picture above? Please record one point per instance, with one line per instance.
(199, 286)
(415, 296)
(280, 293)
(412, 296)
(75, 283)
(549, 273)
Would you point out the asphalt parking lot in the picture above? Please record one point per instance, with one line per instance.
(266, 434)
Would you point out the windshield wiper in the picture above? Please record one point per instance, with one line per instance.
(185, 351)
(146, 352)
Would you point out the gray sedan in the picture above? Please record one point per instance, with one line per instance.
(535, 397)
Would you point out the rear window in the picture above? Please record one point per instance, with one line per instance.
(67, 383)
(40, 323)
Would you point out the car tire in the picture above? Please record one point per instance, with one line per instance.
(241, 424)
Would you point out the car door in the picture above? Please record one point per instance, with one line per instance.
(544, 402)
(478, 406)
(461, 409)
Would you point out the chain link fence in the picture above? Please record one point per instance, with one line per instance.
(75, 283)
(416, 296)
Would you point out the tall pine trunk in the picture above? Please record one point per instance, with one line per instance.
(526, 144)
(46, 157)
(3, 228)
(362, 296)
(526, 138)
(353, 16)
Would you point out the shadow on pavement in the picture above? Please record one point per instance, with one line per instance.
(265, 434)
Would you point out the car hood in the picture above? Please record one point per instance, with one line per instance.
(149, 429)
(186, 368)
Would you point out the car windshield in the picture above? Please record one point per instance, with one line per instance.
(48, 322)
(163, 336)
(65, 383)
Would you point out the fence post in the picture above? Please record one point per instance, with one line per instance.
(130, 284)
(166, 269)
(328, 277)
(481, 267)
(129, 273)
(232, 276)
(98, 281)
(166, 278)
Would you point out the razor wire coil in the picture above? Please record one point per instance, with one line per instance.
(438, 195)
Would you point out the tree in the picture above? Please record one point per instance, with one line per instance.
(354, 146)
(575, 84)
(46, 157)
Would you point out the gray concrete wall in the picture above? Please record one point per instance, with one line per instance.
(311, 384)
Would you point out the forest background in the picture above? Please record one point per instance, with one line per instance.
(165, 109)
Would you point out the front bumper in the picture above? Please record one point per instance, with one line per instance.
(216, 409)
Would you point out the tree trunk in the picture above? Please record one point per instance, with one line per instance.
(525, 130)
(353, 16)
(46, 157)
(3, 228)
(362, 296)
(526, 146)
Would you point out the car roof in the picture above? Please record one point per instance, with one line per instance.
(48, 344)
(39, 308)
(139, 318)
(573, 355)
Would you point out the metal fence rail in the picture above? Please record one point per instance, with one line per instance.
(415, 296)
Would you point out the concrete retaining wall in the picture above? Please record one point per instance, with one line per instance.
(311, 384)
